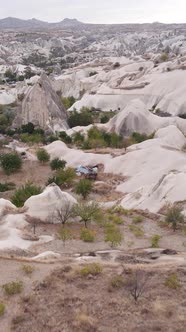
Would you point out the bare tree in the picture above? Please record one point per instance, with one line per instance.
(63, 213)
(138, 284)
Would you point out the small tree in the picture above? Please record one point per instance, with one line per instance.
(57, 164)
(11, 162)
(84, 187)
(64, 213)
(113, 235)
(137, 284)
(65, 235)
(174, 216)
(87, 212)
(43, 156)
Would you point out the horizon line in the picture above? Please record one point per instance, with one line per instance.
(116, 23)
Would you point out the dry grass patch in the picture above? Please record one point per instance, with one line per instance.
(91, 269)
(27, 269)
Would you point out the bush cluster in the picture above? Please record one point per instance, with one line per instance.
(63, 177)
(22, 194)
(87, 235)
(11, 162)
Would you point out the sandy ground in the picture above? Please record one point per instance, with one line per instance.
(71, 302)
(11, 270)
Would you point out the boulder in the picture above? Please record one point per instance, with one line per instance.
(43, 206)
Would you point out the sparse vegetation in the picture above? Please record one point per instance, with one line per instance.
(113, 235)
(65, 138)
(155, 241)
(93, 269)
(84, 188)
(137, 219)
(65, 235)
(172, 281)
(116, 282)
(136, 230)
(27, 269)
(43, 156)
(64, 213)
(137, 284)
(164, 57)
(87, 212)
(12, 288)
(2, 309)
(11, 162)
(87, 235)
(7, 186)
(174, 216)
(56, 164)
(63, 177)
(68, 101)
(22, 194)
(82, 118)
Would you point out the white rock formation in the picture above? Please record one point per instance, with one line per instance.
(74, 157)
(43, 206)
(42, 106)
(136, 118)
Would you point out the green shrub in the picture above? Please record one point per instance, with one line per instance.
(137, 220)
(14, 287)
(28, 128)
(2, 308)
(64, 177)
(7, 186)
(113, 235)
(78, 138)
(11, 162)
(84, 188)
(65, 235)
(56, 164)
(27, 269)
(174, 216)
(93, 269)
(83, 118)
(116, 219)
(65, 138)
(172, 281)
(43, 156)
(31, 138)
(25, 192)
(68, 101)
(138, 138)
(137, 231)
(155, 241)
(87, 235)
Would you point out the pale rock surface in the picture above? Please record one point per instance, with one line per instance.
(6, 205)
(136, 118)
(155, 171)
(47, 255)
(42, 106)
(74, 157)
(43, 206)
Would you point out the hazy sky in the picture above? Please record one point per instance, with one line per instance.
(97, 11)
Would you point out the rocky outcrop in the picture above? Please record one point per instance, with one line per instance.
(42, 107)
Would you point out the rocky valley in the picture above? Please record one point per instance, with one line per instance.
(92, 176)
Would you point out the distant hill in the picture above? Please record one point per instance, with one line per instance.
(16, 23)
